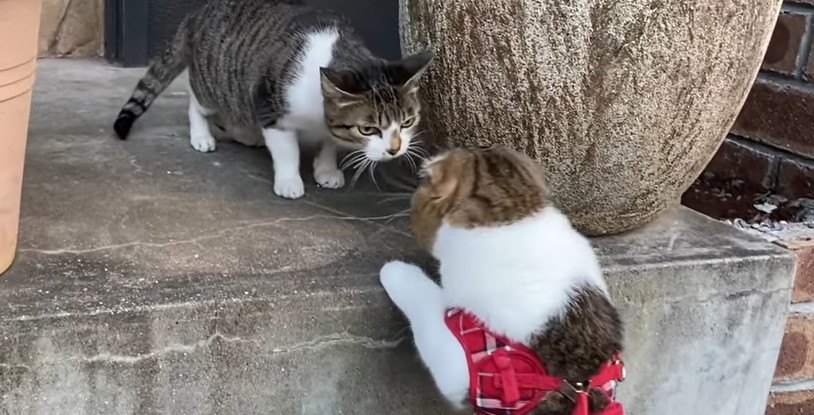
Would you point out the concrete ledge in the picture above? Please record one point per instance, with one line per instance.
(155, 279)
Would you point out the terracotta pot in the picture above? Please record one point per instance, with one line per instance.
(624, 102)
(19, 28)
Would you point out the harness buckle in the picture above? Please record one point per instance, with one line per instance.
(621, 363)
(572, 390)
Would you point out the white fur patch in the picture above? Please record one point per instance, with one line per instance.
(304, 95)
(516, 277)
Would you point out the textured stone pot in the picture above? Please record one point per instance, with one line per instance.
(19, 25)
(624, 102)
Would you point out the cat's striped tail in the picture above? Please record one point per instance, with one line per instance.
(160, 74)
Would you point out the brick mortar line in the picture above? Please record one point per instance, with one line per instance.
(802, 308)
(797, 386)
(774, 174)
(767, 148)
(790, 6)
(805, 49)
(784, 81)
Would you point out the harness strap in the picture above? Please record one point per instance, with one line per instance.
(497, 387)
(582, 408)
(527, 381)
(510, 387)
(614, 371)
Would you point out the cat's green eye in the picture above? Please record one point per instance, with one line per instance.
(368, 130)
(408, 122)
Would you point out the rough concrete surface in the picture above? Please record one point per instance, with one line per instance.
(153, 279)
(623, 101)
(71, 28)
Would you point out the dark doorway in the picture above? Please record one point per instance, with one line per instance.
(137, 30)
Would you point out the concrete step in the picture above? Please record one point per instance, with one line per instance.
(153, 279)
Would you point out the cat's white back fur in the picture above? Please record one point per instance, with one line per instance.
(304, 95)
(514, 277)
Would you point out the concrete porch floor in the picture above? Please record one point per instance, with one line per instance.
(153, 279)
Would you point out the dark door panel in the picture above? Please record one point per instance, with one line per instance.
(137, 30)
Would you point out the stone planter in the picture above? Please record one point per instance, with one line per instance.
(19, 25)
(624, 102)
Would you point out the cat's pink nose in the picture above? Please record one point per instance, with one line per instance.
(395, 144)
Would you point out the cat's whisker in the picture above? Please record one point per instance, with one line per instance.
(357, 162)
(421, 158)
(361, 163)
(401, 214)
(416, 144)
(353, 163)
(410, 161)
(405, 196)
(417, 150)
(359, 171)
(348, 161)
(370, 169)
(417, 160)
(345, 162)
(420, 151)
(352, 154)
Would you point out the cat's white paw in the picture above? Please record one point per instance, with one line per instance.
(202, 142)
(290, 187)
(329, 178)
(398, 279)
(410, 289)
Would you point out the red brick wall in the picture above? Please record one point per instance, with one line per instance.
(771, 145)
(771, 150)
(793, 389)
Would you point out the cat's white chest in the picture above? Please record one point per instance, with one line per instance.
(305, 112)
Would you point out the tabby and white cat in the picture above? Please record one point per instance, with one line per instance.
(287, 72)
(511, 259)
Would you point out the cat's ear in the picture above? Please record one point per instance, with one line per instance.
(336, 84)
(407, 71)
(440, 175)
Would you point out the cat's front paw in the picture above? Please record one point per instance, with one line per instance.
(409, 288)
(290, 187)
(329, 178)
(203, 142)
(397, 276)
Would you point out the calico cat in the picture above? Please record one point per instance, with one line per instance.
(283, 71)
(512, 261)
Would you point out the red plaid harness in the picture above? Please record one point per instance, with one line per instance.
(508, 378)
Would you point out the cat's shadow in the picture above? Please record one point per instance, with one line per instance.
(391, 177)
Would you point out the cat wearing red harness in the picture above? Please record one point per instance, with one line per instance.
(522, 322)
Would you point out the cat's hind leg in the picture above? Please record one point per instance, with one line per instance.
(200, 137)
(250, 136)
(421, 300)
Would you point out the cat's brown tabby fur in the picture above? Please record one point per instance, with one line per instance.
(469, 189)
